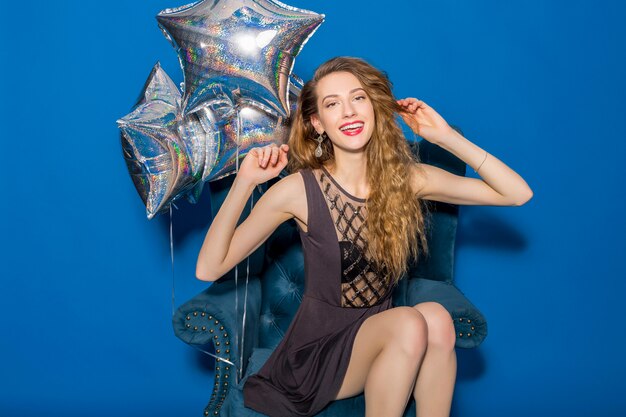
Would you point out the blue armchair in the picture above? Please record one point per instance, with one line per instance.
(275, 281)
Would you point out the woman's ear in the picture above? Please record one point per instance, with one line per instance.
(317, 125)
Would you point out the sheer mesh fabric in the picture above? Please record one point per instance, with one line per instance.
(363, 282)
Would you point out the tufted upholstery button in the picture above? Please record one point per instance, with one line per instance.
(469, 321)
(195, 327)
(267, 317)
(469, 334)
(211, 330)
(188, 318)
(460, 334)
(473, 328)
(206, 413)
(195, 314)
(203, 327)
(460, 319)
(188, 325)
(203, 314)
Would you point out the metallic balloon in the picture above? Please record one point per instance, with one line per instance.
(161, 165)
(237, 57)
(242, 46)
(169, 156)
(249, 124)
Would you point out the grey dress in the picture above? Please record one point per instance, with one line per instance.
(342, 289)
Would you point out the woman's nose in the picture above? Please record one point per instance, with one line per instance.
(348, 110)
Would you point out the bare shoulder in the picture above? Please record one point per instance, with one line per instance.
(291, 195)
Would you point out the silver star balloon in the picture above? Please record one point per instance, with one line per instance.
(161, 165)
(169, 156)
(248, 125)
(247, 46)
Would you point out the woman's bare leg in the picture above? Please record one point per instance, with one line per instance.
(435, 382)
(386, 355)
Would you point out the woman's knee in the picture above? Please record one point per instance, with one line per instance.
(441, 332)
(410, 332)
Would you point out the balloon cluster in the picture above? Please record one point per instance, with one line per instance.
(238, 92)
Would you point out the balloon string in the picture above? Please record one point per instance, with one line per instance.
(238, 374)
(219, 358)
(245, 306)
(172, 258)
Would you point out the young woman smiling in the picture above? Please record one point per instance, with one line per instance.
(356, 193)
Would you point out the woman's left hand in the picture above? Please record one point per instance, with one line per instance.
(424, 120)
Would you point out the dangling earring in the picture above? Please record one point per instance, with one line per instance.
(318, 150)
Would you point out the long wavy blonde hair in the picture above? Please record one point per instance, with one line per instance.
(396, 218)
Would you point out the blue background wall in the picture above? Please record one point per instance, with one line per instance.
(86, 278)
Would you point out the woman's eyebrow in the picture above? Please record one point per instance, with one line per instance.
(337, 95)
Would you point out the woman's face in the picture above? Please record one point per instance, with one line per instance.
(345, 111)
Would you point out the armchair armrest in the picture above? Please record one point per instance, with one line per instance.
(470, 324)
(208, 322)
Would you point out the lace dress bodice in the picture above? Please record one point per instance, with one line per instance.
(363, 282)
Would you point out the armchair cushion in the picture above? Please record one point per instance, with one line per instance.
(282, 286)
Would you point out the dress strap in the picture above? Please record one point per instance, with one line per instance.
(314, 201)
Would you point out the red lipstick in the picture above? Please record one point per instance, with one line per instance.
(352, 132)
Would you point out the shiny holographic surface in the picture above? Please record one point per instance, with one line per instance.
(246, 126)
(238, 90)
(242, 46)
(158, 161)
(169, 156)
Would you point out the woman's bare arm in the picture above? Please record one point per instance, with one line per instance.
(225, 245)
(499, 186)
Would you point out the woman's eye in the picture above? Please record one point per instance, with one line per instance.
(331, 104)
(359, 98)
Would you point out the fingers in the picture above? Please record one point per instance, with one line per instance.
(282, 160)
(411, 104)
(271, 154)
(264, 155)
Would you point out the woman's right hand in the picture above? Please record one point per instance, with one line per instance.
(263, 163)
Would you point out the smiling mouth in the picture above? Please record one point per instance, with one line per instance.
(352, 128)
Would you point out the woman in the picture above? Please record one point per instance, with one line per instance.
(356, 194)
